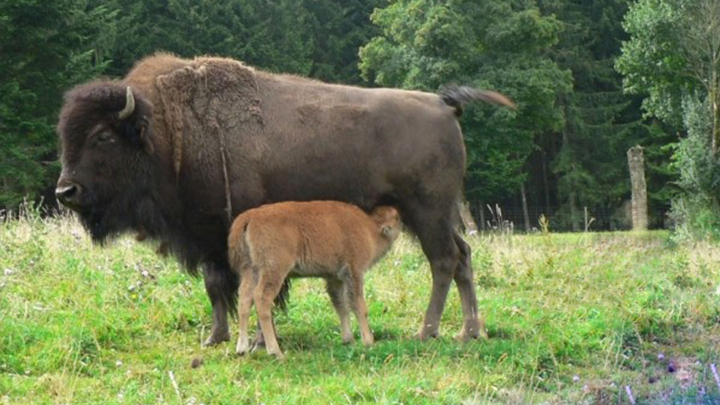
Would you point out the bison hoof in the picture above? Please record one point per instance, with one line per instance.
(425, 335)
(216, 340)
(472, 330)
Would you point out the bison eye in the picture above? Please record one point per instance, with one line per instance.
(105, 136)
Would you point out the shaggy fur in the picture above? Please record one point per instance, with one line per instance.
(327, 239)
(211, 138)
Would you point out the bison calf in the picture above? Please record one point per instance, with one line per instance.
(328, 239)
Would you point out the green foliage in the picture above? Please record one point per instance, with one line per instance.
(317, 38)
(600, 122)
(563, 149)
(651, 60)
(495, 44)
(696, 210)
(46, 47)
(83, 324)
(672, 57)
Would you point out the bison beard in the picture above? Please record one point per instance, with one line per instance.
(206, 139)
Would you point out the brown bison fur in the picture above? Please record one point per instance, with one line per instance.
(209, 138)
(328, 239)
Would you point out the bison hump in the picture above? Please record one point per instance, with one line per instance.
(208, 97)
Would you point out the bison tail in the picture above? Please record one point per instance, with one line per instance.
(457, 96)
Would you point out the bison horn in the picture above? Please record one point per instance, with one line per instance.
(129, 105)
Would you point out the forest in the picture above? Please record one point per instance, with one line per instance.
(591, 79)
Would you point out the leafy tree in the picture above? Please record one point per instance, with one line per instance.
(673, 57)
(46, 47)
(494, 44)
(317, 38)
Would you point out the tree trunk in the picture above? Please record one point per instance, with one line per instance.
(545, 183)
(574, 213)
(715, 109)
(482, 215)
(524, 207)
(636, 162)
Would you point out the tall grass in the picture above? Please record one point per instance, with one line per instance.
(572, 318)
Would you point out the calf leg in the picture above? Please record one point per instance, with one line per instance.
(360, 307)
(247, 284)
(267, 288)
(337, 290)
(473, 325)
(221, 285)
(280, 302)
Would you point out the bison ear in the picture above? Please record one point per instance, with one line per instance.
(386, 230)
(137, 131)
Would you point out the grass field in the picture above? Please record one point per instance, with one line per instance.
(572, 318)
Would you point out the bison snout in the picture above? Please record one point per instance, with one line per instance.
(68, 193)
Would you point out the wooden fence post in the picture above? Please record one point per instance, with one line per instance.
(636, 162)
(467, 218)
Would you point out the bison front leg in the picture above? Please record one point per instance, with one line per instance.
(222, 286)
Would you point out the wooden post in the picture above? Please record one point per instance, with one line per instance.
(467, 219)
(636, 162)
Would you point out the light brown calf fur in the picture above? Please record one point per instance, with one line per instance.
(328, 239)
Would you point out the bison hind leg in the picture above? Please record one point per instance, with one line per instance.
(473, 324)
(449, 259)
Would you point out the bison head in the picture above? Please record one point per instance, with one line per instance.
(108, 167)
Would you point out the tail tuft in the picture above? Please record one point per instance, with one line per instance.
(457, 96)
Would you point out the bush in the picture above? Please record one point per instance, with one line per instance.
(695, 209)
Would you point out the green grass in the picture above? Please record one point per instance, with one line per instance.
(572, 318)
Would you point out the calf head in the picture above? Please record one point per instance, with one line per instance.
(388, 220)
(109, 171)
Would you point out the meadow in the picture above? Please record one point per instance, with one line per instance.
(588, 318)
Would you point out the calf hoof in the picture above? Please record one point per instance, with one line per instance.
(214, 340)
(242, 348)
(278, 355)
(369, 342)
(257, 345)
(346, 340)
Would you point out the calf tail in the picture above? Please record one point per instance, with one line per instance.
(457, 96)
(238, 251)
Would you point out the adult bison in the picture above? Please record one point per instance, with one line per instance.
(180, 147)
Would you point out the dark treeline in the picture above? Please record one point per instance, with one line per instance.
(561, 152)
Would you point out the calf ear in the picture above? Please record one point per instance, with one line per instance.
(386, 230)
